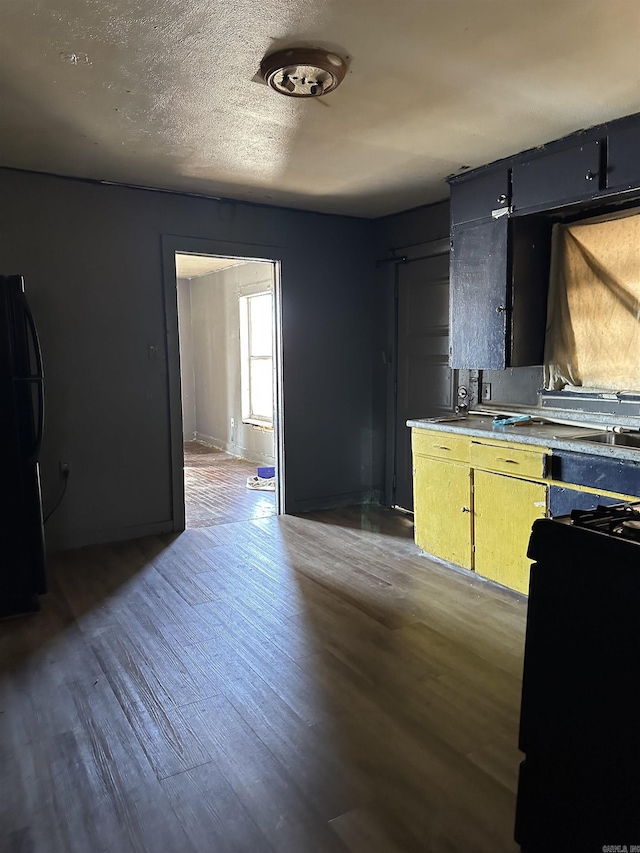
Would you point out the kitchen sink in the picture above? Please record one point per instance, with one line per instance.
(445, 419)
(617, 439)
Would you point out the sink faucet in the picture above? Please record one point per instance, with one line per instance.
(462, 406)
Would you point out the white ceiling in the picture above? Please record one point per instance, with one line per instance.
(167, 96)
(192, 266)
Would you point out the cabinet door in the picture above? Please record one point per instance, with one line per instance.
(442, 500)
(504, 512)
(551, 179)
(475, 198)
(623, 168)
(479, 304)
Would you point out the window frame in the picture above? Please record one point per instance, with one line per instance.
(246, 358)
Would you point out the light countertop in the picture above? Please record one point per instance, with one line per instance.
(553, 436)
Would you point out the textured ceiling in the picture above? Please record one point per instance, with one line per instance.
(165, 95)
(192, 266)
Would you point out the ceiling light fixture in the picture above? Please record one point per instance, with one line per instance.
(74, 58)
(303, 72)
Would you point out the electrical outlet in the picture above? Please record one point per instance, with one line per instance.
(486, 392)
(233, 423)
(65, 469)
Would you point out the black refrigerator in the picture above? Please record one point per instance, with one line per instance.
(22, 551)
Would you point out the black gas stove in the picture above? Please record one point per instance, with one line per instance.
(579, 787)
(621, 520)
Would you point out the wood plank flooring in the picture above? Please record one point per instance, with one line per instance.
(216, 491)
(303, 684)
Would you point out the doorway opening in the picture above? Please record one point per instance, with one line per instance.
(229, 369)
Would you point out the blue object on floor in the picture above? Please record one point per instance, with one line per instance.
(266, 472)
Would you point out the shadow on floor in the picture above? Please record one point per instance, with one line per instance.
(331, 686)
(419, 668)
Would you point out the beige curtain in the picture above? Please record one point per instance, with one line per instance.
(593, 313)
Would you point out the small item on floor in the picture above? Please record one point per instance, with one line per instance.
(262, 484)
(266, 471)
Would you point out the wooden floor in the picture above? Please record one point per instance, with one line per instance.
(216, 491)
(300, 684)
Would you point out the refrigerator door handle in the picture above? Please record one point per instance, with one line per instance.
(37, 445)
(37, 349)
(37, 379)
(34, 452)
(40, 428)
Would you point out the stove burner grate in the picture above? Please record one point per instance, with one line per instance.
(621, 520)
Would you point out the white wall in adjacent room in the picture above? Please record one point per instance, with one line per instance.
(211, 361)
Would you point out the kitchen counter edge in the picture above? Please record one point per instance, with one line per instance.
(553, 436)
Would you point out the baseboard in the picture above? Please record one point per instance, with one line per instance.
(377, 497)
(369, 497)
(117, 534)
(233, 449)
(210, 441)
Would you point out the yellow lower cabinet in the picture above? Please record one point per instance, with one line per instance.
(442, 502)
(504, 511)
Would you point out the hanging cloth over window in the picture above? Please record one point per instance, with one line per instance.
(593, 313)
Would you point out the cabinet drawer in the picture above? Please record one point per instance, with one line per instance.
(442, 445)
(551, 179)
(531, 463)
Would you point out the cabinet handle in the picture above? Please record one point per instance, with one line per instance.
(502, 198)
(465, 509)
(510, 461)
(499, 309)
(442, 447)
(591, 176)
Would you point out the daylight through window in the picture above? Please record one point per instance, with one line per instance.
(256, 318)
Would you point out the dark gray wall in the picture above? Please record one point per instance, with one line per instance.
(217, 361)
(412, 227)
(92, 259)
(515, 385)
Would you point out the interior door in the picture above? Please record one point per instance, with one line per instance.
(425, 382)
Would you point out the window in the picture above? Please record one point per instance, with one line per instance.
(256, 348)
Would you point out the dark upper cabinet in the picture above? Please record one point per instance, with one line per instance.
(553, 178)
(478, 197)
(501, 238)
(623, 166)
(499, 284)
(478, 300)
